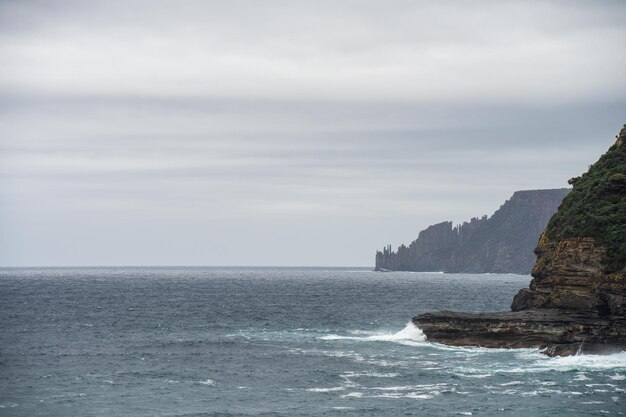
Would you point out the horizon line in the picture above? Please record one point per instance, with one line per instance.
(183, 266)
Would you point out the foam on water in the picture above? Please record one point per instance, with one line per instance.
(422, 387)
(584, 362)
(331, 389)
(538, 363)
(207, 382)
(410, 333)
(371, 374)
(413, 395)
(506, 384)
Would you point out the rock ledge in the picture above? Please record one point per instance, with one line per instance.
(556, 332)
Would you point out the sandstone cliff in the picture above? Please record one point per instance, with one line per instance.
(581, 262)
(502, 243)
(576, 300)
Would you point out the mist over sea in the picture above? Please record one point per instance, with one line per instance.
(273, 342)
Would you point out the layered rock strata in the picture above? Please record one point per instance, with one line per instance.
(556, 332)
(576, 300)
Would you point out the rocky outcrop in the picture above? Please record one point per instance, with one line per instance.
(557, 332)
(502, 243)
(566, 276)
(576, 301)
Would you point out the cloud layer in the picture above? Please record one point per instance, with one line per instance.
(288, 133)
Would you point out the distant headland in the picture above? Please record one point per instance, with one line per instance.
(502, 243)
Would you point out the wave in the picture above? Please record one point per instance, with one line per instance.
(538, 363)
(326, 389)
(410, 333)
(584, 362)
(351, 374)
(207, 382)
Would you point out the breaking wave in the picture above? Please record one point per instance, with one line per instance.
(410, 333)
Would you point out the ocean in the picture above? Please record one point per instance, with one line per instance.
(273, 342)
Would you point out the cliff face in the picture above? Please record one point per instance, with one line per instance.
(502, 243)
(566, 275)
(581, 262)
(576, 301)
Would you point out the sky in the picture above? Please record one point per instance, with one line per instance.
(295, 133)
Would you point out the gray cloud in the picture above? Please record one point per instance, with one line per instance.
(288, 132)
(359, 50)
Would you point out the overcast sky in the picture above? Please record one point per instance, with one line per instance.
(288, 132)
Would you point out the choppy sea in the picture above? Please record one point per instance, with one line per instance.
(273, 342)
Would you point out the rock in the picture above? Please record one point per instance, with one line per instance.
(576, 302)
(557, 332)
(502, 243)
(566, 275)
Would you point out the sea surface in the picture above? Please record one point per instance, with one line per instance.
(273, 342)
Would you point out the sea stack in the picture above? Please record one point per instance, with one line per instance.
(576, 300)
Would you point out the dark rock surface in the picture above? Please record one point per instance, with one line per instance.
(558, 332)
(502, 243)
(576, 301)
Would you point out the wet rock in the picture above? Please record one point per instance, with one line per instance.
(556, 332)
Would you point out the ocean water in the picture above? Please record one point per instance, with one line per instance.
(273, 342)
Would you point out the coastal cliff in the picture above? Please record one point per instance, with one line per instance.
(576, 300)
(502, 243)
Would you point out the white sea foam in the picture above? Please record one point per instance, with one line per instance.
(419, 396)
(398, 388)
(385, 363)
(371, 374)
(409, 335)
(207, 382)
(326, 389)
(413, 395)
(584, 362)
(581, 363)
(506, 392)
(423, 387)
(511, 383)
(548, 383)
(477, 350)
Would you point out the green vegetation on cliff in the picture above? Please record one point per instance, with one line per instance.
(596, 206)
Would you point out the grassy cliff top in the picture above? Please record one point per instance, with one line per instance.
(596, 206)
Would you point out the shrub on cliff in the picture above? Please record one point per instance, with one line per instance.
(596, 206)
